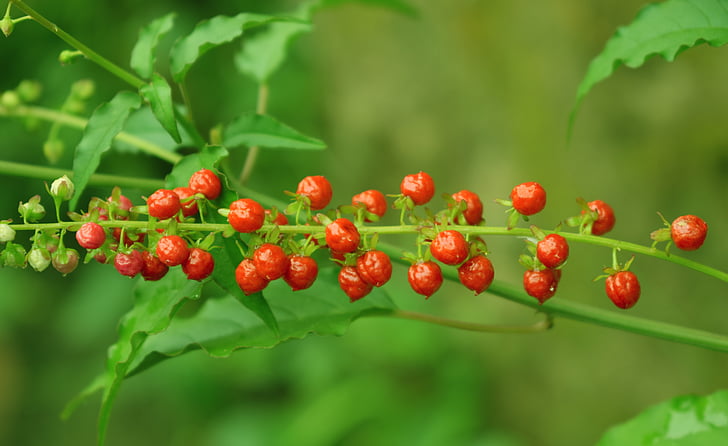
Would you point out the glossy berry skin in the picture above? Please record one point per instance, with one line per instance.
(152, 269)
(91, 235)
(318, 190)
(552, 250)
(540, 284)
(352, 283)
(129, 264)
(301, 273)
(425, 278)
(528, 198)
(271, 261)
(374, 201)
(248, 278)
(123, 204)
(623, 289)
(473, 212)
(605, 219)
(199, 265)
(246, 215)
(476, 274)
(688, 232)
(205, 182)
(342, 235)
(172, 250)
(419, 187)
(163, 204)
(374, 267)
(65, 264)
(189, 208)
(450, 247)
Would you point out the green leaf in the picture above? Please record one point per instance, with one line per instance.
(155, 304)
(209, 34)
(159, 95)
(396, 5)
(664, 29)
(143, 54)
(221, 326)
(681, 421)
(252, 129)
(105, 123)
(143, 124)
(208, 158)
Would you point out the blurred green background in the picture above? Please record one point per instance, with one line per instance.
(478, 95)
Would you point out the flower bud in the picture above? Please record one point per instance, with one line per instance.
(65, 261)
(62, 188)
(68, 57)
(7, 234)
(53, 150)
(39, 258)
(29, 91)
(10, 99)
(32, 210)
(13, 255)
(7, 25)
(83, 89)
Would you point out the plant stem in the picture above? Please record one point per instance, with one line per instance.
(252, 156)
(471, 326)
(50, 173)
(106, 64)
(69, 120)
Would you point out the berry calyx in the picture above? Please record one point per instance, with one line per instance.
(271, 261)
(425, 278)
(477, 273)
(248, 278)
(301, 273)
(91, 235)
(342, 235)
(199, 264)
(205, 182)
(152, 268)
(552, 250)
(352, 283)
(163, 204)
(450, 247)
(318, 191)
(129, 264)
(374, 267)
(623, 288)
(473, 212)
(688, 232)
(604, 222)
(419, 187)
(374, 201)
(528, 198)
(189, 205)
(65, 261)
(172, 250)
(246, 215)
(540, 284)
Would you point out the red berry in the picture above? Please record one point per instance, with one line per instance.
(123, 204)
(301, 273)
(280, 218)
(528, 198)
(540, 284)
(419, 187)
(199, 265)
(374, 267)
(352, 283)
(450, 247)
(189, 207)
(248, 278)
(152, 268)
(205, 182)
(342, 235)
(373, 200)
(473, 212)
(605, 218)
(172, 250)
(425, 278)
(66, 262)
(271, 261)
(163, 204)
(129, 264)
(623, 289)
(476, 274)
(552, 251)
(246, 215)
(688, 232)
(91, 235)
(317, 189)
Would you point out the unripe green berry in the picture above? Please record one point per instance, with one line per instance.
(62, 188)
(29, 91)
(53, 150)
(7, 234)
(10, 99)
(83, 89)
(39, 258)
(32, 210)
(13, 255)
(7, 25)
(65, 261)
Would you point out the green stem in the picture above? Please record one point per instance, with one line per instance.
(80, 123)
(471, 326)
(50, 173)
(252, 157)
(75, 43)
